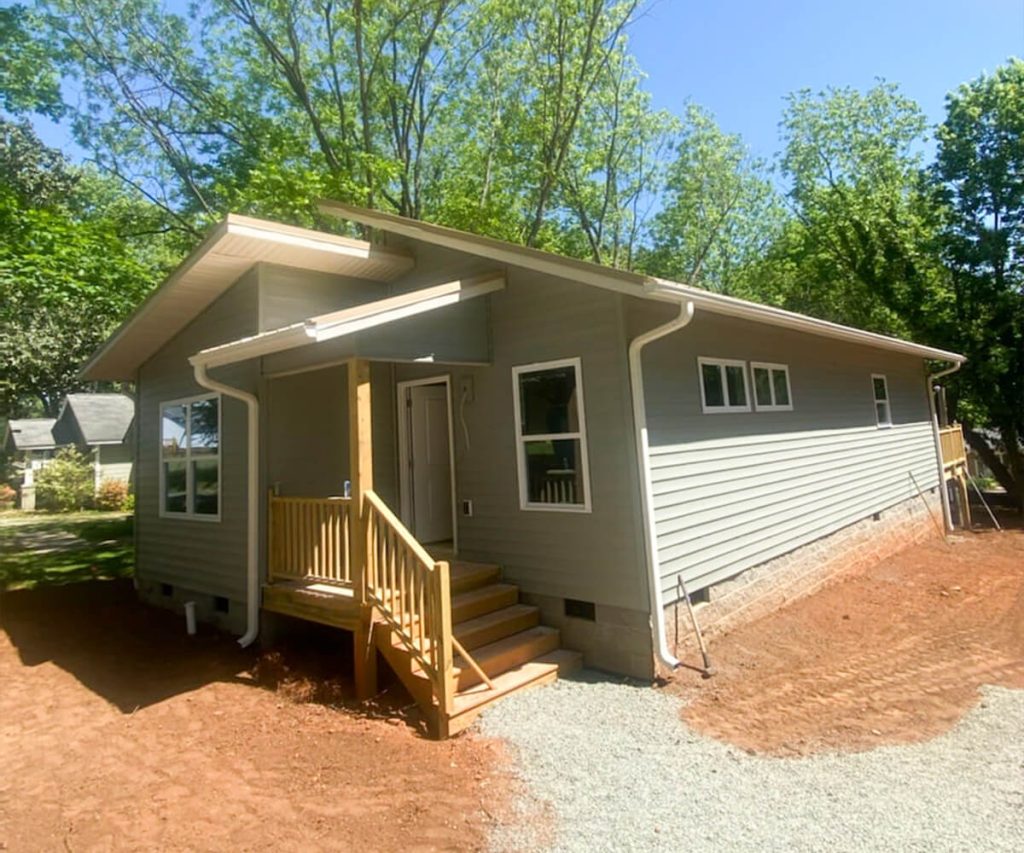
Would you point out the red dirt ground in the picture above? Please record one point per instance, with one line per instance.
(895, 653)
(118, 732)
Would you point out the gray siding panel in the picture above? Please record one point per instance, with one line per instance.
(734, 490)
(205, 556)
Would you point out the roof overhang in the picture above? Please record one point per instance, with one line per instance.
(230, 249)
(622, 281)
(348, 321)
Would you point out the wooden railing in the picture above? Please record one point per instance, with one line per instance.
(309, 539)
(412, 593)
(951, 440)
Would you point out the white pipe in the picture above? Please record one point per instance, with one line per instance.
(190, 618)
(252, 604)
(636, 381)
(947, 513)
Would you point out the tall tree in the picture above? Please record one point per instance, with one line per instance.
(980, 164)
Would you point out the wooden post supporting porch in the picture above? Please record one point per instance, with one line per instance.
(360, 425)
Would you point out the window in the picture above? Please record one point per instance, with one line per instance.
(723, 385)
(190, 458)
(551, 437)
(771, 387)
(883, 414)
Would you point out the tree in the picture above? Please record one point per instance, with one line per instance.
(980, 165)
(719, 210)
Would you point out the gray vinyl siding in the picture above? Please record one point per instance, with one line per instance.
(115, 461)
(593, 556)
(200, 555)
(734, 490)
(289, 296)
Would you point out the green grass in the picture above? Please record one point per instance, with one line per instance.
(40, 549)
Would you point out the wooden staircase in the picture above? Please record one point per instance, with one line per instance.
(504, 638)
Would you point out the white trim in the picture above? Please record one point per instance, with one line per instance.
(189, 513)
(773, 406)
(722, 363)
(404, 492)
(887, 423)
(577, 435)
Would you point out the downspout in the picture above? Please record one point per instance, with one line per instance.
(636, 382)
(947, 513)
(252, 604)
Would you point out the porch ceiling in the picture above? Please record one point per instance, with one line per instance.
(232, 248)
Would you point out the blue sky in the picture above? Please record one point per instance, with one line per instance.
(739, 58)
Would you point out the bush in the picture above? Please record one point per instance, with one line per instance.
(7, 496)
(112, 495)
(67, 483)
(129, 502)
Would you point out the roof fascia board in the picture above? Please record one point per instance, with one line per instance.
(336, 324)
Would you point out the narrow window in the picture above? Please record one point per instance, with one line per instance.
(771, 387)
(883, 413)
(723, 385)
(190, 458)
(551, 437)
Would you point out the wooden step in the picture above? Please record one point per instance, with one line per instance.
(505, 654)
(486, 599)
(496, 625)
(541, 670)
(466, 576)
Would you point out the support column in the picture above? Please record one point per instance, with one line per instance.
(360, 424)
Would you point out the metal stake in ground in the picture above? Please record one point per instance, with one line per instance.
(984, 502)
(708, 670)
(927, 506)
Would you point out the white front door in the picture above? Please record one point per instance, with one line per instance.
(430, 469)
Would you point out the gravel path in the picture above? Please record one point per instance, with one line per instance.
(620, 771)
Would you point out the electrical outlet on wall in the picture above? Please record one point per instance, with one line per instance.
(467, 508)
(466, 388)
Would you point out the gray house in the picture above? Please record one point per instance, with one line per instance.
(477, 457)
(29, 443)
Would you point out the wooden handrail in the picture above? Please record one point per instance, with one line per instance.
(308, 539)
(412, 593)
(951, 442)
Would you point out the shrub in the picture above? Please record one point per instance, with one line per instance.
(112, 495)
(129, 502)
(67, 483)
(7, 496)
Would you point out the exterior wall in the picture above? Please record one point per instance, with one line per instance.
(732, 491)
(205, 557)
(114, 462)
(289, 296)
(761, 590)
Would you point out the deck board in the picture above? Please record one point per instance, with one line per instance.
(315, 601)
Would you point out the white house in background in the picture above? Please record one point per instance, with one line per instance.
(99, 425)
(29, 442)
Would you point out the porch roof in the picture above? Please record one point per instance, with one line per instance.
(336, 324)
(231, 248)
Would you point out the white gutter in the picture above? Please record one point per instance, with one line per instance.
(636, 382)
(947, 513)
(252, 604)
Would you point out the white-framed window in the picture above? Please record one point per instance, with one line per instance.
(190, 458)
(551, 436)
(723, 385)
(883, 410)
(772, 392)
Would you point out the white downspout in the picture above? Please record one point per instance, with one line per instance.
(252, 604)
(947, 513)
(636, 382)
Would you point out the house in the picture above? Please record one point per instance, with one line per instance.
(477, 456)
(97, 424)
(29, 444)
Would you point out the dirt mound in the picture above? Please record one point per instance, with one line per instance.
(895, 653)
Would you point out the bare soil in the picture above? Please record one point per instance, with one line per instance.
(895, 653)
(117, 732)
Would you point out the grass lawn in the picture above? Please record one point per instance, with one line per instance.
(36, 548)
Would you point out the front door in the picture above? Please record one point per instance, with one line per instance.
(429, 464)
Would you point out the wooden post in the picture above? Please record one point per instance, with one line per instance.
(360, 442)
(445, 661)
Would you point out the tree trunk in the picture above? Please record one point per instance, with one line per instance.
(1002, 472)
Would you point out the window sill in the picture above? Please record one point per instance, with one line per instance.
(573, 508)
(189, 516)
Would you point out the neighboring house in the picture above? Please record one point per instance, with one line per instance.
(469, 453)
(100, 425)
(30, 445)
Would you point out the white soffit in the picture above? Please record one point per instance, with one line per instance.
(348, 321)
(229, 250)
(622, 281)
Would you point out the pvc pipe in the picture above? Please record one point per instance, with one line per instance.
(252, 604)
(947, 513)
(636, 381)
(190, 618)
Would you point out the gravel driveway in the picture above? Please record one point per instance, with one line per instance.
(620, 771)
